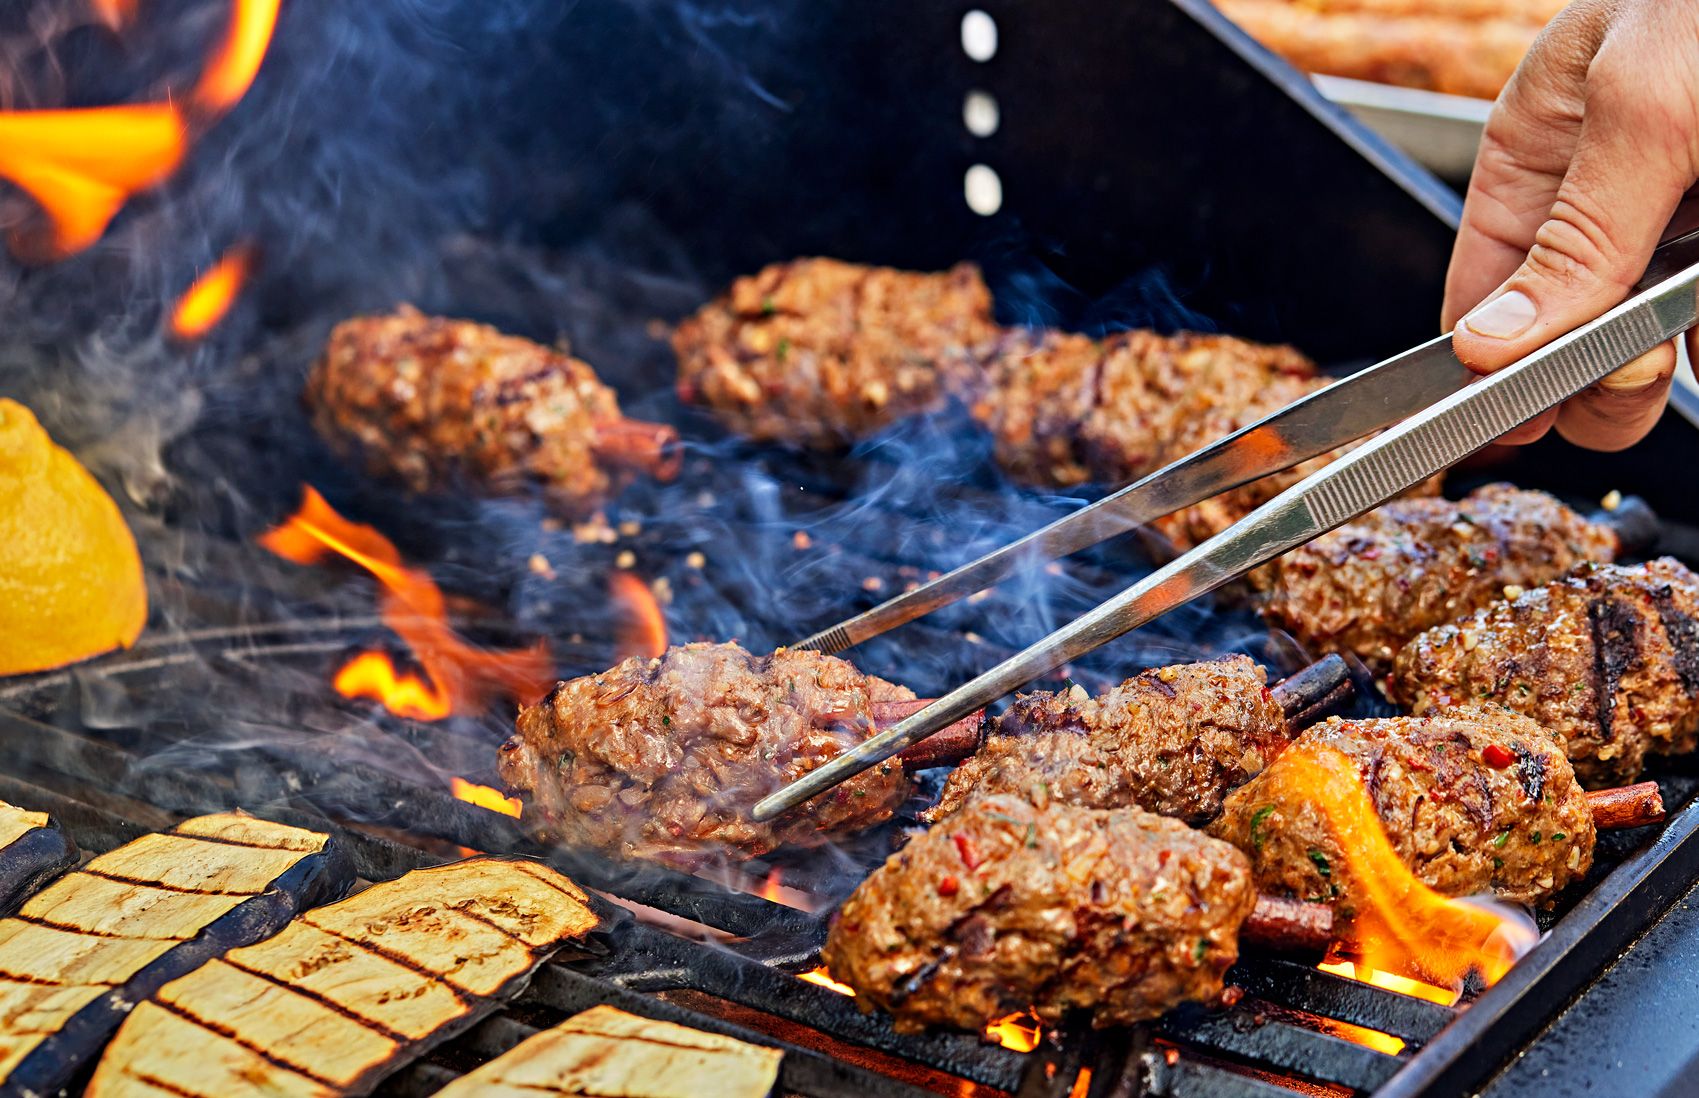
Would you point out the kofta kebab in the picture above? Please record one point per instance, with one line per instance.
(1532, 662)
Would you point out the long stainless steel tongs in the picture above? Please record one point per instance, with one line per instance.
(1436, 412)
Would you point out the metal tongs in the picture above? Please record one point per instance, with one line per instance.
(1443, 411)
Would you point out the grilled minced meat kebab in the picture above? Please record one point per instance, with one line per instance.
(662, 758)
(1006, 906)
(85, 950)
(820, 353)
(1606, 659)
(1410, 565)
(33, 851)
(1473, 800)
(349, 993)
(1173, 741)
(437, 404)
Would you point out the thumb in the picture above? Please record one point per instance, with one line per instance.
(1619, 192)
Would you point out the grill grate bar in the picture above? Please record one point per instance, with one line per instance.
(1414, 1020)
(1241, 1032)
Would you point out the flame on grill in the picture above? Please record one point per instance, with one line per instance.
(373, 675)
(114, 13)
(643, 633)
(205, 302)
(231, 71)
(824, 979)
(1020, 1032)
(485, 797)
(81, 165)
(1402, 925)
(412, 605)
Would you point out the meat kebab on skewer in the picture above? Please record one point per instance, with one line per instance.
(1007, 906)
(1473, 800)
(820, 353)
(437, 403)
(1174, 740)
(662, 758)
(1606, 659)
(1413, 564)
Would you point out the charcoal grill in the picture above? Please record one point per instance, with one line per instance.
(1156, 168)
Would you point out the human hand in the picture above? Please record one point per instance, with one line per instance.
(1588, 155)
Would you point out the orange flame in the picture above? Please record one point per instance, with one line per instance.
(412, 605)
(373, 675)
(824, 978)
(205, 302)
(485, 797)
(82, 164)
(1020, 1032)
(114, 13)
(644, 632)
(1402, 925)
(232, 69)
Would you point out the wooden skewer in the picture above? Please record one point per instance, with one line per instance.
(1626, 806)
(651, 448)
(1289, 926)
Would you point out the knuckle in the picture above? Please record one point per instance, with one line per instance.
(1576, 247)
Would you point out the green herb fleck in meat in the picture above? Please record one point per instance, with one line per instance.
(1320, 860)
(1257, 818)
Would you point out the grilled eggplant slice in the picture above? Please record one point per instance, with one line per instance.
(33, 851)
(607, 1053)
(80, 954)
(351, 992)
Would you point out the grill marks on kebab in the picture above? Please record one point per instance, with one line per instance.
(349, 993)
(1606, 659)
(33, 851)
(1413, 564)
(1174, 740)
(1472, 800)
(820, 353)
(438, 404)
(80, 954)
(1006, 906)
(662, 758)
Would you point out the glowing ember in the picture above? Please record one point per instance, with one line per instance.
(81, 165)
(1392, 981)
(204, 304)
(1361, 1035)
(824, 979)
(373, 675)
(643, 633)
(1082, 1084)
(231, 71)
(1402, 925)
(412, 605)
(485, 797)
(1020, 1032)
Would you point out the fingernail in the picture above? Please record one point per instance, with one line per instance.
(1504, 317)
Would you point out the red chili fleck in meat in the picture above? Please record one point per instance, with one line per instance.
(964, 847)
(1163, 856)
(949, 886)
(1497, 757)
